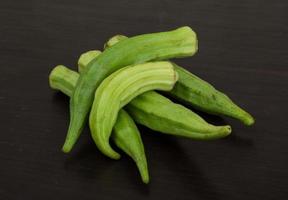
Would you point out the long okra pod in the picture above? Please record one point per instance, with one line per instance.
(127, 137)
(159, 113)
(119, 89)
(205, 97)
(125, 133)
(181, 42)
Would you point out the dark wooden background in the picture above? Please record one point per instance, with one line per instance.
(242, 51)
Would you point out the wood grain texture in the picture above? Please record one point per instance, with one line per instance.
(242, 51)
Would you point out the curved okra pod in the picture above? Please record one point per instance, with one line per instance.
(125, 133)
(120, 88)
(199, 93)
(181, 42)
(127, 137)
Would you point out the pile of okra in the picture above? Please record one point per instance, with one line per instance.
(124, 85)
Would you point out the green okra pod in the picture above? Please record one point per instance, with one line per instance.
(119, 89)
(205, 97)
(200, 94)
(159, 113)
(127, 137)
(125, 133)
(181, 42)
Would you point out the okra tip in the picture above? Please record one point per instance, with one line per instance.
(248, 120)
(73, 134)
(227, 130)
(144, 174)
(108, 151)
(145, 178)
(67, 147)
(244, 117)
(143, 169)
(221, 132)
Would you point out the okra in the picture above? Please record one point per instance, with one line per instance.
(113, 40)
(161, 114)
(119, 89)
(127, 137)
(178, 43)
(63, 79)
(125, 133)
(85, 58)
(203, 96)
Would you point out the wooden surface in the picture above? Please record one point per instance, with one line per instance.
(242, 51)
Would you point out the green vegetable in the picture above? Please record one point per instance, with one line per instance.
(205, 97)
(125, 133)
(63, 79)
(113, 40)
(202, 95)
(139, 49)
(159, 113)
(127, 137)
(151, 108)
(85, 58)
(119, 89)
